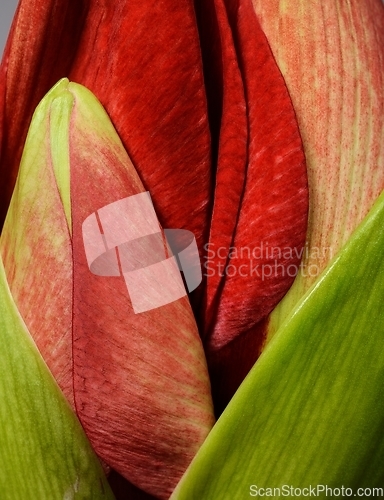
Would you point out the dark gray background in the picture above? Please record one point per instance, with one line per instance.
(7, 9)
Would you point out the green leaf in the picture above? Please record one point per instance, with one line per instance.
(44, 453)
(311, 412)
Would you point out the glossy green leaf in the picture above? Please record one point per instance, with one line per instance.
(44, 453)
(311, 412)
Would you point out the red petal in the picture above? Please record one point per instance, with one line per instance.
(260, 197)
(40, 49)
(273, 208)
(229, 124)
(141, 385)
(142, 60)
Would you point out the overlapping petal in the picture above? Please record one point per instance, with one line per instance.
(142, 60)
(222, 156)
(260, 199)
(138, 382)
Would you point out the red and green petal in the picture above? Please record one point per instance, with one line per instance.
(140, 381)
(331, 57)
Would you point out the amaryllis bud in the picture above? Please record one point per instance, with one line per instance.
(220, 152)
(138, 380)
